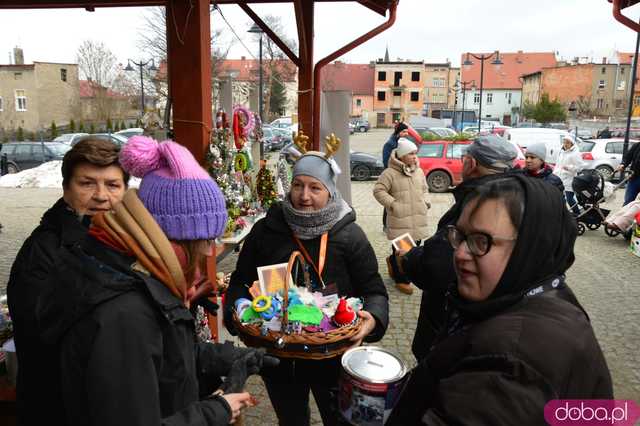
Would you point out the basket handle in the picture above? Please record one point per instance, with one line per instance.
(285, 305)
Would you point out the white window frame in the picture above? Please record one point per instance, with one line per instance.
(476, 98)
(1, 104)
(600, 103)
(509, 98)
(622, 84)
(20, 98)
(489, 98)
(601, 84)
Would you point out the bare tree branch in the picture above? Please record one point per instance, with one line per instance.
(96, 62)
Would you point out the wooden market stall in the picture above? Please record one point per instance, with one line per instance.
(189, 61)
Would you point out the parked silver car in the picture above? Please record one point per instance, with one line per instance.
(603, 155)
(70, 138)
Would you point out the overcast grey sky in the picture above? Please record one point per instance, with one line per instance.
(433, 30)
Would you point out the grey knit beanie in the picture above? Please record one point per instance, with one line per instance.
(537, 150)
(315, 165)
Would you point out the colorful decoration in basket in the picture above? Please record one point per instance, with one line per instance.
(294, 322)
(243, 125)
(345, 315)
(266, 187)
(312, 311)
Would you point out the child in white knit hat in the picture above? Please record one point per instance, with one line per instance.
(402, 190)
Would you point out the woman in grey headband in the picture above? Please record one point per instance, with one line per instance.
(314, 219)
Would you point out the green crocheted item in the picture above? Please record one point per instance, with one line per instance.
(307, 315)
(249, 315)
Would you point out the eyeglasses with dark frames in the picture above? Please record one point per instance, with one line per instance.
(479, 243)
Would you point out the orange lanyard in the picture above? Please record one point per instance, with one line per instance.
(321, 258)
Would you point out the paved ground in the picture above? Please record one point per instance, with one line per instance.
(604, 277)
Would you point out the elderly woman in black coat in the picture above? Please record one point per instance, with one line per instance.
(516, 336)
(314, 219)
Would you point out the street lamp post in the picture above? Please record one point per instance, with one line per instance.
(257, 30)
(482, 58)
(141, 65)
(464, 85)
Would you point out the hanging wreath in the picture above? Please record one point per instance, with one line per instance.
(243, 125)
(241, 162)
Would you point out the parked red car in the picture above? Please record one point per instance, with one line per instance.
(441, 162)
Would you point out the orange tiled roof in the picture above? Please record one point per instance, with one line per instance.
(355, 78)
(88, 90)
(507, 76)
(248, 69)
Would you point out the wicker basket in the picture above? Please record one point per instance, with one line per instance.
(306, 345)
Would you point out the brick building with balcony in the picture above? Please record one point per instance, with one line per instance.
(398, 91)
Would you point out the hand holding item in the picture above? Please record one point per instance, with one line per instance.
(202, 288)
(237, 402)
(368, 324)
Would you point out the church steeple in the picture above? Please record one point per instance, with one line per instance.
(386, 54)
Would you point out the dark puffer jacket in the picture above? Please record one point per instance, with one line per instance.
(128, 354)
(546, 174)
(351, 264)
(430, 268)
(503, 370)
(38, 391)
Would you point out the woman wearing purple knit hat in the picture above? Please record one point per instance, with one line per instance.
(128, 353)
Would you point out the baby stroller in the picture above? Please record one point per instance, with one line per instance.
(589, 188)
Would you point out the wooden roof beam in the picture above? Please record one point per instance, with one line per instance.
(273, 36)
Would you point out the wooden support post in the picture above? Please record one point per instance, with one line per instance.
(189, 63)
(304, 17)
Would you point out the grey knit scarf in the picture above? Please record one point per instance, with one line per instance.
(308, 225)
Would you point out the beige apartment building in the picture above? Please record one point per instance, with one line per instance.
(34, 95)
(436, 87)
(398, 91)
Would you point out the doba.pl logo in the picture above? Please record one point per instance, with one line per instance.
(591, 412)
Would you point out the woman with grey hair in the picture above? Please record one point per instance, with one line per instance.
(314, 219)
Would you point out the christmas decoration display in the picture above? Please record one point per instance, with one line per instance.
(265, 186)
(230, 167)
(243, 125)
(283, 179)
(257, 129)
(241, 162)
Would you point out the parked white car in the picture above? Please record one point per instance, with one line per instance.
(133, 131)
(603, 155)
(551, 138)
(69, 138)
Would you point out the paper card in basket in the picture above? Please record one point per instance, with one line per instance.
(272, 278)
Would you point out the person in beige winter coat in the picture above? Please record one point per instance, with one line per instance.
(402, 190)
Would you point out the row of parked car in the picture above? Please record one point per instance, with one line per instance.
(29, 154)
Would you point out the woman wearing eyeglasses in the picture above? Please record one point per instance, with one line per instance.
(516, 336)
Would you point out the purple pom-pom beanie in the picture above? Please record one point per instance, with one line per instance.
(181, 196)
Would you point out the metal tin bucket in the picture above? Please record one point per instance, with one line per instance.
(370, 384)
